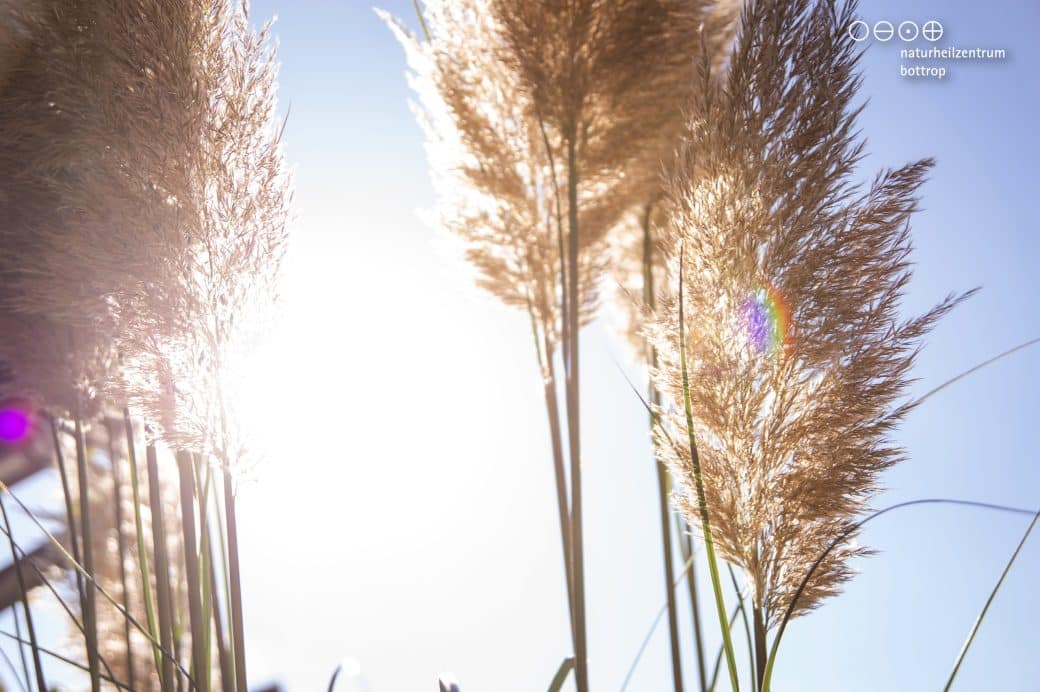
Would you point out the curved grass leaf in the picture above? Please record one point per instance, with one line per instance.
(561, 675)
(770, 662)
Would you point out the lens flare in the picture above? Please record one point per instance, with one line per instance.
(767, 321)
(15, 424)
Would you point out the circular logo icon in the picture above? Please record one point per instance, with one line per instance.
(859, 30)
(883, 31)
(932, 30)
(908, 31)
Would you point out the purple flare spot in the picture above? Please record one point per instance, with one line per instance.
(757, 323)
(14, 425)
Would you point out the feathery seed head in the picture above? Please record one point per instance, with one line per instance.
(792, 278)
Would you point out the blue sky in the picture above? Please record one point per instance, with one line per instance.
(422, 538)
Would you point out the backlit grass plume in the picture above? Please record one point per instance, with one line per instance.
(144, 202)
(545, 125)
(790, 277)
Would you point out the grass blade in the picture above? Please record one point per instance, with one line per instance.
(68, 661)
(162, 570)
(686, 549)
(198, 625)
(709, 544)
(989, 601)
(117, 491)
(90, 610)
(76, 567)
(561, 675)
(718, 656)
(235, 579)
(747, 629)
(33, 644)
(142, 549)
(70, 513)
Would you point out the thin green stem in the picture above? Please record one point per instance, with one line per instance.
(142, 548)
(27, 558)
(235, 601)
(90, 611)
(68, 661)
(422, 20)
(70, 512)
(718, 656)
(76, 567)
(709, 544)
(686, 547)
(198, 625)
(117, 492)
(162, 569)
(747, 627)
(203, 476)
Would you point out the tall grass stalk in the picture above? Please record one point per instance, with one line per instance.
(203, 477)
(90, 604)
(581, 669)
(70, 513)
(117, 493)
(199, 656)
(989, 601)
(142, 548)
(742, 607)
(709, 545)
(163, 588)
(235, 579)
(544, 351)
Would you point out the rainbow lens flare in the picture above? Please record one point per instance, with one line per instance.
(767, 321)
(15, 424)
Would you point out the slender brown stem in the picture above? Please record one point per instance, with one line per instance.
(552, 408)
(761, 653)
(581, 671)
